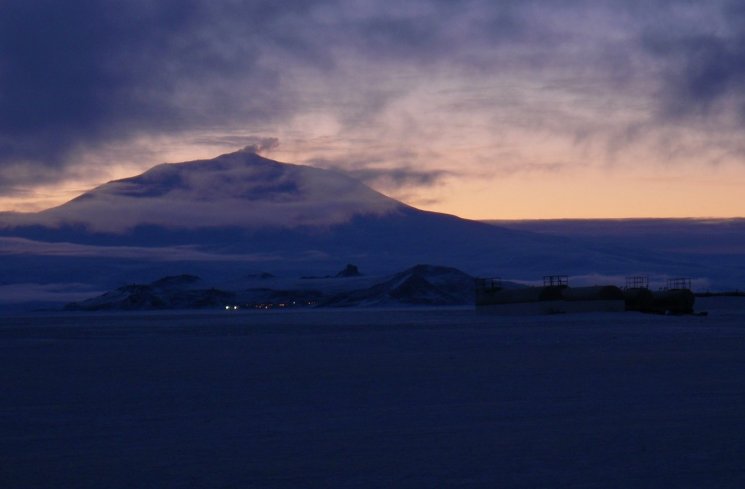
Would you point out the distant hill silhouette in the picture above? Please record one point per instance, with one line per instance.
(220, 218)
(418, 285)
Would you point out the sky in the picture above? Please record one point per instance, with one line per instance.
(485, 109)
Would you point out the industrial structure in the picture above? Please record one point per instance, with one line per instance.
(556, 296)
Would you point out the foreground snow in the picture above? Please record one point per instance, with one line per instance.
(373, 398)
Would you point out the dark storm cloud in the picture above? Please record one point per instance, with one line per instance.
(391, 179)
(81, 74)
(391, 171)
(78, 68)
(77, 74)
(401, 177)
(90, 71)
(704, 69)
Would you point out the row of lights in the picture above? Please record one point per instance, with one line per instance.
(268, 306)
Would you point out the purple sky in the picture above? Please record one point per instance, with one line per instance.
(502, 109)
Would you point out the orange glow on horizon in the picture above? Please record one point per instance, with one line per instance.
(590, 193)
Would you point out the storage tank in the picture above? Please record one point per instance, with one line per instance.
(673, 301)
(552, 299)
(594, 293)
(527, 294)
(639, 299)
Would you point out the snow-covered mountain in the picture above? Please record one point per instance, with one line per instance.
(241, 213)
(241, 207)
(239, 189)
(418, 285)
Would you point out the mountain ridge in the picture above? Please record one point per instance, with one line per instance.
(219, 218)
(240, 189)
(418, 285)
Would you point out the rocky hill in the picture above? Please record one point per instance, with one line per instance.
(174, 292)
(419, 285)
(221, 218)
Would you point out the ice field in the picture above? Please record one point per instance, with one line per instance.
(409, 398)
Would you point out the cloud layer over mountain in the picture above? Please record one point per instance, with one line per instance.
(240, 189)
(389, 90)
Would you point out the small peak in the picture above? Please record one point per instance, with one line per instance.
(175, 280)
(349, 271)
(250, 149)
(260, 145)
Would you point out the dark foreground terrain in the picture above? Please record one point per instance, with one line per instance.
(373, 398)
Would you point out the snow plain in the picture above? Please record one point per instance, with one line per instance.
(410, 398)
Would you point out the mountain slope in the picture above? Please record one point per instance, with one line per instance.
(176, 292)
(239, 189)
(241, 203)
(419, 285)
(239, 212)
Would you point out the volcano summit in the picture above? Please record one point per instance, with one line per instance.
(240, 213)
